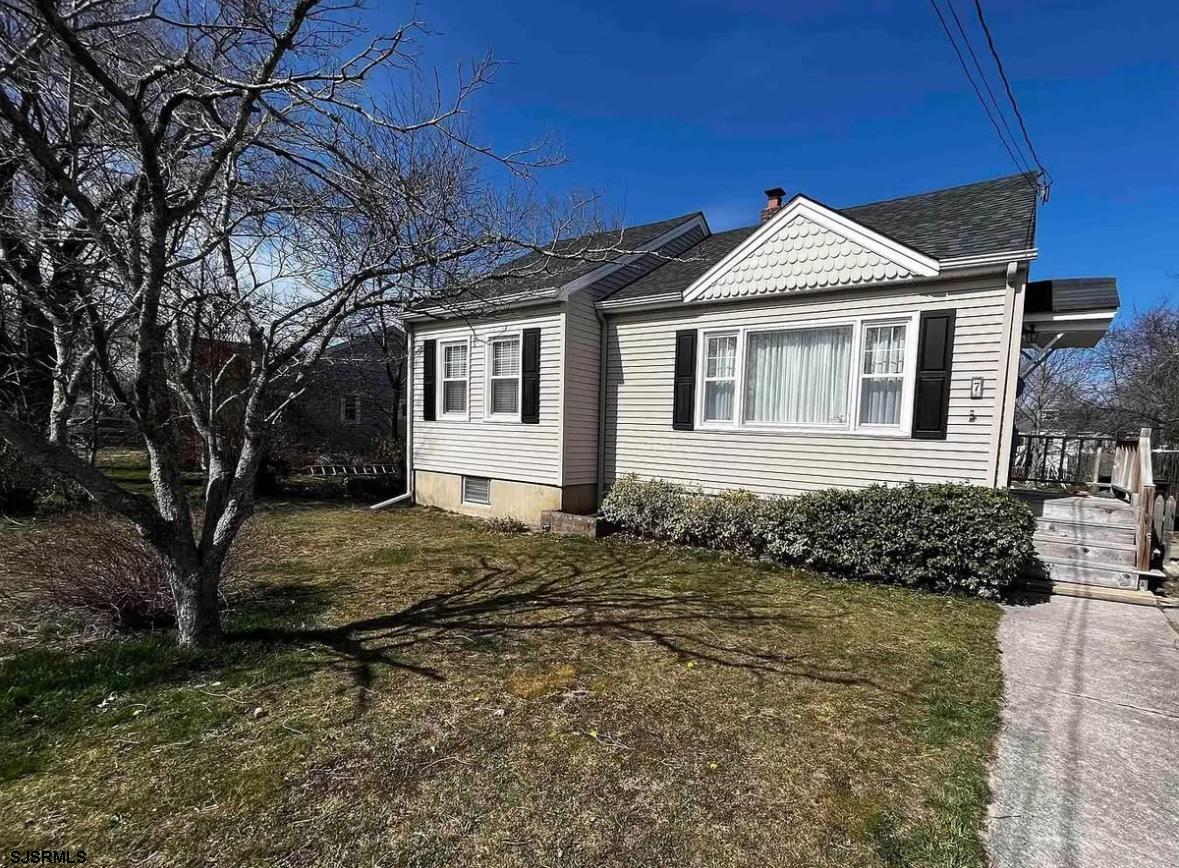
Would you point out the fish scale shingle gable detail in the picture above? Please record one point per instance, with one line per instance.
(801, 253)
(989, 217)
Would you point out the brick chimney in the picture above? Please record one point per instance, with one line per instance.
(775, 196)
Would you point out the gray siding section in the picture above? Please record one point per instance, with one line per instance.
(582, 352)
(496, 449)
(640, 440)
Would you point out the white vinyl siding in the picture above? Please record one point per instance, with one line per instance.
(479, 445)
(582, 358)
(641, 356)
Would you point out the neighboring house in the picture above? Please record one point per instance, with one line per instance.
(821, 347)
(353, 398)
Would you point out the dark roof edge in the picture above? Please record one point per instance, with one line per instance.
(682, 224)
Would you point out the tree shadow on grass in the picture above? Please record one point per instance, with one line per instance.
(692, 611)
(53, 691)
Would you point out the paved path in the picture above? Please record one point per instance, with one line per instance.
(1087, 772)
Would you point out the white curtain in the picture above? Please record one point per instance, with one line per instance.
(883, 375)
(798, 376)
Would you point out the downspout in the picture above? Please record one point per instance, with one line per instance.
(407, 497)
(1013, 336)
(603, 343)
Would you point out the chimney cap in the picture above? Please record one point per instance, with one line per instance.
(775, 193)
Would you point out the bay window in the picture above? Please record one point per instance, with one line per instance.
(851, 376)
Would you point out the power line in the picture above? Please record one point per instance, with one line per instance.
(1011, 96)
(987, 83)
(1021, 166)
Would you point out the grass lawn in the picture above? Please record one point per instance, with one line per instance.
(410, 689)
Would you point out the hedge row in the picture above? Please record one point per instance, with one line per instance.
(962, 538)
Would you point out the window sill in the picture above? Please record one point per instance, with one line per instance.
(879, 433)
(501, 419)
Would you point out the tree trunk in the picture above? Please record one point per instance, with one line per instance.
(198, 607)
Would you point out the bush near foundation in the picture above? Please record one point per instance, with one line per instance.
(948, 537)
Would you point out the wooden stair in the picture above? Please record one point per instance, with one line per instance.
(1085, 541)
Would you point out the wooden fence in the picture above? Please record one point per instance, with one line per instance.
(1166, 469)
(1164, 526)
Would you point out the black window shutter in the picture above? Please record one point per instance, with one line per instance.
(530, 377)
(684, 407)
(429, 377)
(935, 356)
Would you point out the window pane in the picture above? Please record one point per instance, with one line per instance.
(880, 400)
(454, 361)
(722, 357)
(454, 397)
(718, 401)
(503, 396)
(798, 377)
(505, 358)
(884, 349)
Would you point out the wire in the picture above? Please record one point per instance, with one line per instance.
(1021, 166)
(1011, 96)
(987, 83)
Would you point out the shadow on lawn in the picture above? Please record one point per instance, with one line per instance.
(625, 598)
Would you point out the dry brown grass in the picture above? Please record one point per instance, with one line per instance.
(435, 694)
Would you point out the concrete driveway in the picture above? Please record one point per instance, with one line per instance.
(1087, 772)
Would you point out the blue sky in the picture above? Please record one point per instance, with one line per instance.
(669, 107)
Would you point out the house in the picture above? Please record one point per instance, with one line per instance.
(353, 399)
(818, 347)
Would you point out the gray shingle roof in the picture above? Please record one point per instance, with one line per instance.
(536, 272)
(1072, 294)
(993, 216)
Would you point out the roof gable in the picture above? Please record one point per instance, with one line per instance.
(807, 246)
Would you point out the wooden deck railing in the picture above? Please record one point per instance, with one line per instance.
(1080, 460)
(1133, 479)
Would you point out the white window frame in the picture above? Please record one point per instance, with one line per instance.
(440, 385)
(851, 426)
(702, 378)
(344, 420)
(908, 375)
(488, 415)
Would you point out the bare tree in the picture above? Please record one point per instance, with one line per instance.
(1129, 381)
(226, 172)
(1051, 390)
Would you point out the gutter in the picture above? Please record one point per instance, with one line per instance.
(407, 497)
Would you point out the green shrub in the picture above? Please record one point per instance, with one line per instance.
(944, 537)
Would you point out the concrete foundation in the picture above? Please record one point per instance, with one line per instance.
(524, 501)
